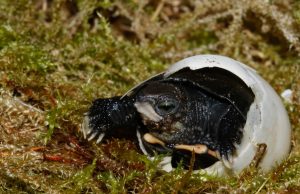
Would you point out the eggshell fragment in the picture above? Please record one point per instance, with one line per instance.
(267, 120)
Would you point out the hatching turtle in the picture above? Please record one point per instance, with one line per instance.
(210, 105)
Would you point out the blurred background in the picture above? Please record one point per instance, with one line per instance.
(57, 56)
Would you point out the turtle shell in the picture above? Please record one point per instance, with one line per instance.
(266, 120)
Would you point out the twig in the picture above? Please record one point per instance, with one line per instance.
(158, 10)
(262, 186)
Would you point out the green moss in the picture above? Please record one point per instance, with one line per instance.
(12, 185)
(200, 37)
(25, 58)
(296, 11)
(80, 180)
(58, 56)
(7, 35)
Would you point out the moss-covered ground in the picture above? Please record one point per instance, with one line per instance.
(57, 56)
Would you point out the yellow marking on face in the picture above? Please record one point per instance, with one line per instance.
(198, 149)
(153, 140)
(147, 111)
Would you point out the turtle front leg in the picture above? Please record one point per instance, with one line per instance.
(105, 116)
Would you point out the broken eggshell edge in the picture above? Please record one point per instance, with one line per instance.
(267, 120)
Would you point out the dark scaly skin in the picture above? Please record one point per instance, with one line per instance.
(113, 115)
(205, 119)
(215, 123)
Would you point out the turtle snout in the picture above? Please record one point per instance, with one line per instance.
(147, 111)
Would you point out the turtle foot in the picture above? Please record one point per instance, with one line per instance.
(89, 133)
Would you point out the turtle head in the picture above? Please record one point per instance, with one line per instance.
(161, 106)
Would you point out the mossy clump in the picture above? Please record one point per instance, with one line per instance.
(57, 56)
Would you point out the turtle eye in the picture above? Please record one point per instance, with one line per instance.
(166, 106)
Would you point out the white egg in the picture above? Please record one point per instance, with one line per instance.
(267, 120)
(266, 132)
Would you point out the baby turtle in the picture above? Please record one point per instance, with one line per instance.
(205, 104)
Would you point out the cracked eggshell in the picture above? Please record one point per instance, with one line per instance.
(267, 120)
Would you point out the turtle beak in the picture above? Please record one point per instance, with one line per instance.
(149, 138)
(147, 111)
(151, 143)
(198, 149)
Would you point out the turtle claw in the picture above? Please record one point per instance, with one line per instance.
(100, 137)
(226, 156)
(226, 162)
(88, 132)
(85, 128)
(97, 135)
(230, 159)
(93, 136)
